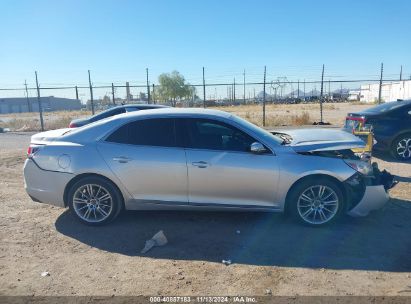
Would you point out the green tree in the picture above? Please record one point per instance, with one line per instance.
(173, 87)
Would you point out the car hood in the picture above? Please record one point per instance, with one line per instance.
(317, 139)
(48, 136)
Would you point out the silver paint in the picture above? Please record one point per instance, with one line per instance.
(178, 178)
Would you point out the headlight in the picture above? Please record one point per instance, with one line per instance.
(360, 166)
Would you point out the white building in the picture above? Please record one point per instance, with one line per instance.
(389, 92)
(354, 95)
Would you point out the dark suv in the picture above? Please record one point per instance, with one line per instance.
(391, 124)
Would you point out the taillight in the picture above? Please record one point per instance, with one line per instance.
(358, 123)
(32, 149)
(72, 125)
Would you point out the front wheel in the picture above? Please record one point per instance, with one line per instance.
(401, 148)
(316, 201)
(94, 200)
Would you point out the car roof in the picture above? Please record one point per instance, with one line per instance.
(176, 112)
(142, 106)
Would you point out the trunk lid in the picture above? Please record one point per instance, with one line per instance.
(358, 121)
(44, 138)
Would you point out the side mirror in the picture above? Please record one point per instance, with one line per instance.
(257, 148)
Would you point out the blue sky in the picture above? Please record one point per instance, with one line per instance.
(117, 40)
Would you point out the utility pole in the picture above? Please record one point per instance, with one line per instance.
(321, 95)
(112, 94)
(148, 87)
(77, 93)
(244, 86)
(265, 72)
(154, 94)
(298, 89)
(204, 92)
(27, 97)
(401, 73)
(91, 93)
(380, 88)
(39, 101)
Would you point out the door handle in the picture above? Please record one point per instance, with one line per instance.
(121, 159)
(200, 164)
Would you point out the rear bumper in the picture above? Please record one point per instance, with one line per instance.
(375, 197)
(45, 186)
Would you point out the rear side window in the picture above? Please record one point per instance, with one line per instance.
(149, 132)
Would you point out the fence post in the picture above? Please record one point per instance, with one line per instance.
(112, 93)
(321, 95)
(27, 97)
(244, 86)
(148, 87)
(265, 72)
(77, 93)
(204, 91)
(401, 73)
(380, 88)
(234, 91)
(91, 93)
(39, 101)
(304, 89)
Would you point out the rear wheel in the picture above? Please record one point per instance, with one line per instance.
(401, 147)
(316, 201)
(94, 200)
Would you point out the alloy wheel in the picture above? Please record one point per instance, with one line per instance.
(404, 148)
(92, 203)
(318, 204)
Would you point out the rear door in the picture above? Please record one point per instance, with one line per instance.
(145, 157)
(221, 169)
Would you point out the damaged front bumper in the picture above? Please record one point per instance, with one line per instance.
(368, 193)
(375, 197)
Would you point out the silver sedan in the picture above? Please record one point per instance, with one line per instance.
(203, 160)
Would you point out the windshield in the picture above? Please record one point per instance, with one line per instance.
(261, 132)
(388, 106)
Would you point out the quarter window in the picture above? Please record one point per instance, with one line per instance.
(149, 132)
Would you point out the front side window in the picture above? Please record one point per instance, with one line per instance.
(215, 135)
(148, 132)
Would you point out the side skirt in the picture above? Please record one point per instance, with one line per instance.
(169, 205)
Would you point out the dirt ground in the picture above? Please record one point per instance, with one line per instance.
(358, 256)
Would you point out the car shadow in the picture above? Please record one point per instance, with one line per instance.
(380, 241)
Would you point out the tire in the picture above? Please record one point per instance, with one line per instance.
(401, 147)
(316, 211)
(95, 201)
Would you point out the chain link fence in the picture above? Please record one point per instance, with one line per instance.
(271, 91)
